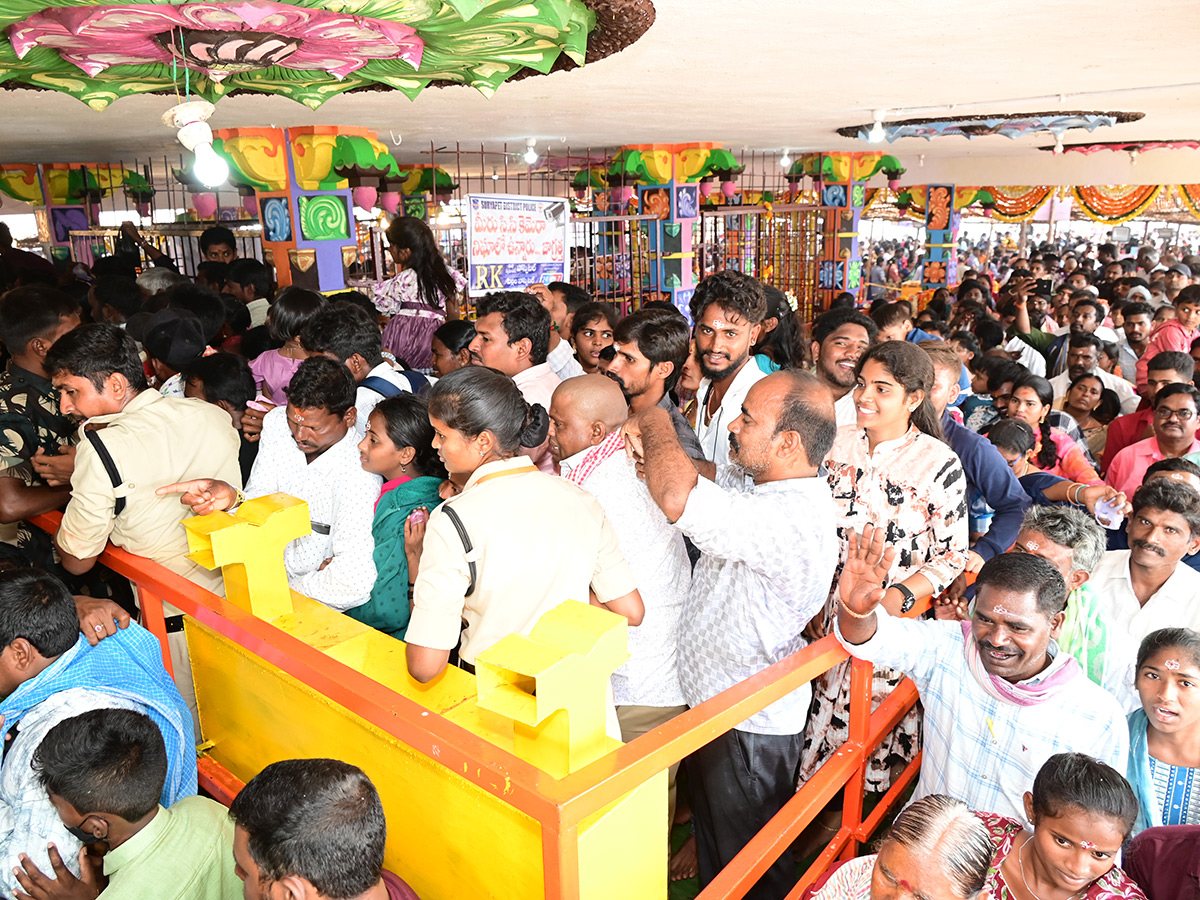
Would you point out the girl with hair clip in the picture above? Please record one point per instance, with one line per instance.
(893, 469)
(398, 446)
(417, 296)
(1164, 735)
(1082, 812)
(1054, 452)
(516, 542)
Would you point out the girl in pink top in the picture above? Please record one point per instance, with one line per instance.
(291, 311)
(1056, 452)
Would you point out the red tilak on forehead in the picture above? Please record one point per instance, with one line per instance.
(904, 885)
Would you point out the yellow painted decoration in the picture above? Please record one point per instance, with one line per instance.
(659, 163)
(691, 161)
(248, 546)
(553, 684)
(20, 181)
(259, 153)
(865, 163)
(312, 157)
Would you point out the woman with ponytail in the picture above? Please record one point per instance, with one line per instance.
(1055, 452)
(515, 543)
(895, 470)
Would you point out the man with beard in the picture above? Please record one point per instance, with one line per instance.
(728, 309)
(1000, 698)
(839, 339)
(1145, 587)
(1175, 422)
(1135, 334)
(1082, 352)
(764, 573)
(650, 347)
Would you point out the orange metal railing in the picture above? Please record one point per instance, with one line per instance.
(560, 805)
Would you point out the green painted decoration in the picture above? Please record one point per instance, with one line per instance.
(324, 218)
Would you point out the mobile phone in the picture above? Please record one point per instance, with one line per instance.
(1043, 286)
(419, 515)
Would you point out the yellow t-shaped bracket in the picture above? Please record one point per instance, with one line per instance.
(553, 684)
(248, 546)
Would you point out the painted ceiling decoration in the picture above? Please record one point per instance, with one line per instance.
(1012, 125)
(307, 50)
(1127, 146)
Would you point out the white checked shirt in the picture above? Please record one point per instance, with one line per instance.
(977, 748)
(658, 559)
(769, 552)
(340, 497)
(562, 361)
(27, 819)
(1175, 605)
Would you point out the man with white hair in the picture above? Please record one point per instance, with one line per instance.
(158, 279)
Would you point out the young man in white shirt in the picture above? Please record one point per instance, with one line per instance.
(839, 339)
(727, 309)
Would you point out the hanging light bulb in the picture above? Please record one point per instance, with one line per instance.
(210, 169)
(1133, 155)
(1058, 145)
(531, 155)
(191, 118)
(877, 134)
(785, 160)
(495, 177)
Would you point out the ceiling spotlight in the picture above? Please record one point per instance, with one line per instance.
(531, 155)
(191, 118)
(1058, 145)
(877, 134)
(785, 160)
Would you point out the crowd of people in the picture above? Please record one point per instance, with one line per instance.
(1019, 457)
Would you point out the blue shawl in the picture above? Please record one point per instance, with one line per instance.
(127, 665)
(1138, 773)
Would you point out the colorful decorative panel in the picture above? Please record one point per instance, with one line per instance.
(324, 217)
(1010, 125)
(307, 50)
(276, 220)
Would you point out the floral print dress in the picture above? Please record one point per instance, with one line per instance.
(914, 487)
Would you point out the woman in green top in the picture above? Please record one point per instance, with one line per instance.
(399, 447)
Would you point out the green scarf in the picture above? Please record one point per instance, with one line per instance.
(388, 608)
(1085, 633)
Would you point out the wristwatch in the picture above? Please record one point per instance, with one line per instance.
(910, 599)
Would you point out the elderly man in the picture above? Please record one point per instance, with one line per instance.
(1145, 587)
(1000, 697)
(1071, 541)
(586, 415)
(1175, 423)
(752, 594)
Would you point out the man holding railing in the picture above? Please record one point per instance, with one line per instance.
(1000, 697)
(766, 532)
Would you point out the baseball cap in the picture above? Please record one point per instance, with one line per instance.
(1181, 269)
(175, 337)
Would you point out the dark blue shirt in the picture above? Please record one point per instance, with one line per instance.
(989, 474)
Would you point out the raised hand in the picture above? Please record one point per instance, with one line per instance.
(862, 584)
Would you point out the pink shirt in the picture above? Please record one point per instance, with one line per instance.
(272, 373)
(537, 384)
(1129, 466)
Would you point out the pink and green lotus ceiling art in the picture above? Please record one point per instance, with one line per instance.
(307, 50)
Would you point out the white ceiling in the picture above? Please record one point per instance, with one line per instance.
(765, 75)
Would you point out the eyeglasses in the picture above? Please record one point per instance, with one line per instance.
(1183, 415)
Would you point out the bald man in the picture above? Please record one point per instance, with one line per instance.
(586, 415)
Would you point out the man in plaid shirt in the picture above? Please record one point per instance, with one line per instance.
(999, 697)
